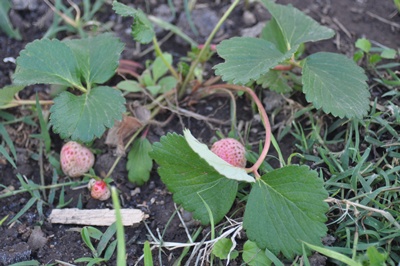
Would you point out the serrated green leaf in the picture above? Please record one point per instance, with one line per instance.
(254, 256)
(192, 179)
(222, 167)
(85, 117)
(336, 84)
(5, 23)
(142, 29)
(274, 80)
(48, 62)
(247, 58)
(159, 68)
(222, 249)
(139, 162)
(296, 27)
(284, 208)
(97, 57)
(7, 94)
(273, 33)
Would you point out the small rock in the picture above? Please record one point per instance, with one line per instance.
(37, 239)
(317, 260)
(253, 31)
(15, 253)
(249, 18)
(272, 100)
(25, 4)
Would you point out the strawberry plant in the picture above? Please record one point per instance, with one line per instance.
(331, 82)
(79, 65)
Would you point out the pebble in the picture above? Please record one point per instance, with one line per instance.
(249, 18)
(15, 253)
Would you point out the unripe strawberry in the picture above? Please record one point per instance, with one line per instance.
(231, 151)
(99, 189)
(75, 159)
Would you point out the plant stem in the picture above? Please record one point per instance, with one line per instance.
(121, 249)
(15, 192)
(160, 54)
(15, 103)
(193, 66)
(264, 118)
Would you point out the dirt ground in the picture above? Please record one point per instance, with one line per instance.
(375, 20)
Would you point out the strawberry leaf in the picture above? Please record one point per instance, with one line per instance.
(336, 84)
(254, 256)
(7, 94)
(142, 29)
(248, 58)
(192, 180)
(84, 117)
(222, 167)
(48, 62)
(97, 57)
(139, 162)
(296, 27)
(286, 206)
(275, 81)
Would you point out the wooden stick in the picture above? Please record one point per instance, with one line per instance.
(99, 217)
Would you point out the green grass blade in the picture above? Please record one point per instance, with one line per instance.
(121, 251)
(334, 255)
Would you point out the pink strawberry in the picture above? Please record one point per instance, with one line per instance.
(231, 151)
(99, 190)
(75, 159)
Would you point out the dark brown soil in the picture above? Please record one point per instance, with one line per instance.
(378, 22)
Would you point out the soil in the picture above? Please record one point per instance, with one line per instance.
(32, 237)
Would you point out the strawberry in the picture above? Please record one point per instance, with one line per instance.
(75, 159)
(231, 151)
(99, 189)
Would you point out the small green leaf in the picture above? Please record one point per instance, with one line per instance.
(254, 256)
(7, 94)
(86, 116)
(222, 167)
(142, 29)
(274, 80)
(389, 54)
(129, 85)
(159, 68)
(364, 45)
(285, 207)
(167, 83)
(336, 84)
(5, 23)
(192, 179)
(375, 257)
(97, 57)
(296, 27)
(222, 249)
(247, 58)
(48, 62)
(139, 162)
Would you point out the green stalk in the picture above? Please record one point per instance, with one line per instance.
(203, 50)
(15, 192)
(160, 54)
(121, 250)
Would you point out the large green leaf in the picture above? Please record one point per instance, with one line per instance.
(284, 208)
(98, 57)
(193, 182)
(336, 84)
(247, 58)
(254, 256)
(139, 162)
(297, 27)
(49, 62)
(86, 116)
(7, 94)
(142, 29)
(273, 33)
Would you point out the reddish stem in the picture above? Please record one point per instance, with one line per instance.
(283, 67)
(264, 118)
